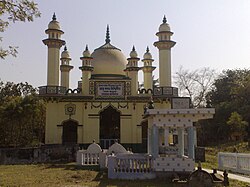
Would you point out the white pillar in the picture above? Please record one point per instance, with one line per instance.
(155, 142)
(191, 142)
(195, 137)
(166, 137)
(149, 141)
(180, 141)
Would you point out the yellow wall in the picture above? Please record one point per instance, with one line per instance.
(130, 129)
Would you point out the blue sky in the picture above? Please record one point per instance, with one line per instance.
(211, 33)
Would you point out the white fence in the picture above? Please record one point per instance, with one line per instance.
(95, 156)
(237, 162)
(130, 166)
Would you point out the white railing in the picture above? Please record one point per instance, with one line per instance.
(238, 162)
(130, 166)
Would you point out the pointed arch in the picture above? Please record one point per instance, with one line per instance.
(69, 134)
(110, 118)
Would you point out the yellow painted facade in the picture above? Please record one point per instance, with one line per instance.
(108, 103)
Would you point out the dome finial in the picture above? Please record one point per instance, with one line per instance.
(54, 17)
(133, 49)
(65, 48)
(107, 35)
(147, 50)
(86, 48)
(164, 19)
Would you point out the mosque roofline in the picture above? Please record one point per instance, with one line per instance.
(105, 76)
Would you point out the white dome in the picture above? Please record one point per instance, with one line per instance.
(147, 55)
(164, 27)
(133, 53)
(108, 60)
(65, 53)
(86, 52)
(54, 25)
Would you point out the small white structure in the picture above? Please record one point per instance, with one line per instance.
(162, 126)
(237, 162)
(93, 156)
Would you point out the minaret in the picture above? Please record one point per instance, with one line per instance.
(65, 68)
(132, 71)
(54, 44)
(148, 70)
(86, 70)
(164, 44)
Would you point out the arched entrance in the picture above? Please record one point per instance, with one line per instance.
(109, 126)
(69, 135)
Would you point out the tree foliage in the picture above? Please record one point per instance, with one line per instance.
(22, 115)
(12, 11)
(230, 98)
(236, 125)
(195, 84)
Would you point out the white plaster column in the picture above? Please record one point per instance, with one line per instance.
(180, 141)
(191, 142)
(195, 137)
(149, 141)
(166, 137)
(155, 142)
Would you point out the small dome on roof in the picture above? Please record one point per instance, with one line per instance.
(147, 55)
(164, 26)
(54, 24)
(133, 53)
(86, 52)
(65, 53)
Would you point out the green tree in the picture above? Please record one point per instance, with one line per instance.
(237, 126)
(230, 93)
(22, 115)
(12, 11)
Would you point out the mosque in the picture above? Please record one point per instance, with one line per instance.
(108, 104)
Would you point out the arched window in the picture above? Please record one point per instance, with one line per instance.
(69, 135)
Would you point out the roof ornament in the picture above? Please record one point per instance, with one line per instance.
(86, 48)
(147, 50)
(107, 35)
(164, 19)
(133, 49)
(65, 48)
(54, 17)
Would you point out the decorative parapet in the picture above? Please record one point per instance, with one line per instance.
(165, 91)
(52, 90)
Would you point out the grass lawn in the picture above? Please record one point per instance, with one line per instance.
(69, 175)
(63, 175)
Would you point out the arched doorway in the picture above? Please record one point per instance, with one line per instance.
(69, 135)
(109, 126)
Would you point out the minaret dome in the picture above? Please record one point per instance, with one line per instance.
(54, 24)
(164, 26)
(133, 53)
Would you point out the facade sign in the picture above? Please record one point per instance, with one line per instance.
(180, 103)
(109, 90)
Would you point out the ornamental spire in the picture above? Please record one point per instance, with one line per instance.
(86, 48)
(133, 49)
(65, 48)
(54, 17)
(107, 35)
(164, 19)
(147, 50)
